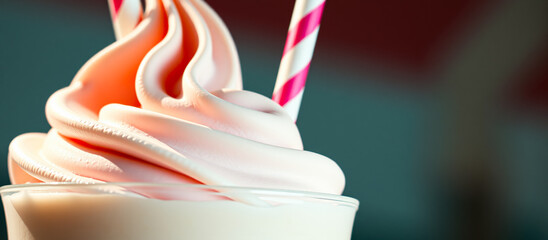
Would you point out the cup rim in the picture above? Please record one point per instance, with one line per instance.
(267, 191)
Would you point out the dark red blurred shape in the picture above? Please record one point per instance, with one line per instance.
(530, 90)
(403, 33)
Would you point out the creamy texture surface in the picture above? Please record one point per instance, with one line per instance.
(165, 104)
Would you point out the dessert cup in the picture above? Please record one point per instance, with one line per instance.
(173, 211)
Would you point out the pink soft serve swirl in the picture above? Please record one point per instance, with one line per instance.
(165, 104)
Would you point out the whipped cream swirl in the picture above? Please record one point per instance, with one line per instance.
(165, 104)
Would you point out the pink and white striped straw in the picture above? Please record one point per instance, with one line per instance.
(126, 15)
(299, 47)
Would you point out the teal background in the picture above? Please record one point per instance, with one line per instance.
(384, 135)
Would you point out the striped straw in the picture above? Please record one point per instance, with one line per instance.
(299, 47)
(126, 14)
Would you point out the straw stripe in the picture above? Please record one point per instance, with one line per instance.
(126, 15)
(292, 87)
(292, 106)
(302, 8)
(304, 28)
(297, 54)
(291, 64)
(116, 7)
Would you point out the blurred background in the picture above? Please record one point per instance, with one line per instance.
(437, 111)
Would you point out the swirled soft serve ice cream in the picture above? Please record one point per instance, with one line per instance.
(165, 104)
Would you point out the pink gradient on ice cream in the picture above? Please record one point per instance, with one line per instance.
(165, 104)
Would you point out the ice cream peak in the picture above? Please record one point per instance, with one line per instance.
(165, 104)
